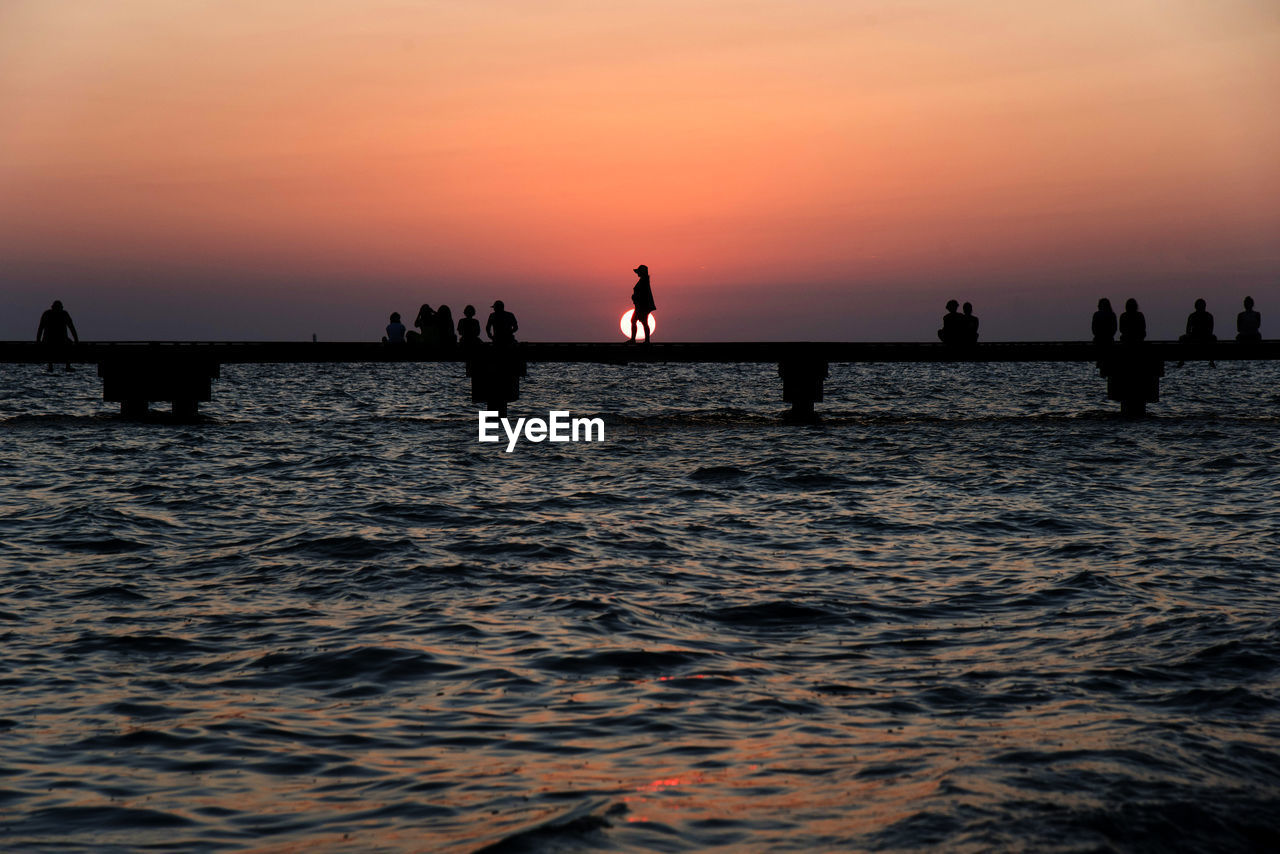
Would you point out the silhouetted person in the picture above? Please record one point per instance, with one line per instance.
(954, 326)
(469, 327)
(55, 324)
(444, 327)
(642, 300)
(1248, 323)
(395, 330)
(423, 325)
(1104, 323)
(970, 324)
(1133, 326)
(1199, 326)
(501, 326)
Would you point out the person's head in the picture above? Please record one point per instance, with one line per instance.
(1200, 304)
(1104, 304)
(469, 311)
(425, 311)
(952, 305)
(498, 305)
(1248, 303)
(395, 317)
(1131, 304)
(642, 270)
(968, 308)
(57, 305)
(443, 311)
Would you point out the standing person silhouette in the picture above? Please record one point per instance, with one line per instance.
(1248, 323)
(642, 299)
(55, 323)
(1133, 325)
(469, 327)
(501, 326)
(1104, 323)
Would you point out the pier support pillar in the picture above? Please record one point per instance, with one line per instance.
(1133, 378)
(802, 386)
(495, 377)
(136, 380)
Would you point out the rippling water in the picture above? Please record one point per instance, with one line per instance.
(972, 610)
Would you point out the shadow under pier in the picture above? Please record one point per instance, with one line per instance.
(181, 373)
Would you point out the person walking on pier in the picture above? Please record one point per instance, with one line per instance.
(954, 325)
(1248, 323)
(55, 323)
(501, 326)
(970, 324)
(395, 330)
(1199, 326)
(469, 327)
(642, 300)
(1133, 325)
(1104, 323)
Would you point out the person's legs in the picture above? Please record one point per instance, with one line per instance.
(633, 327)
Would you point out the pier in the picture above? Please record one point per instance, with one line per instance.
(137, 373)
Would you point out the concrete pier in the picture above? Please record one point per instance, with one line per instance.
(135, 374)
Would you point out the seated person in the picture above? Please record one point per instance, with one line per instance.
(1133, 325)
(1199, 326)
(954, 326)
(1104, 323)
(970, 324)
(395, 330)
(1248, 323)
(501, 326)
(469, 327)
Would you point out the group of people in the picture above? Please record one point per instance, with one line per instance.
(1132, 325)
(959, 327)
(434, 327)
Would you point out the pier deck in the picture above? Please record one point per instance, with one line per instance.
(135, 373)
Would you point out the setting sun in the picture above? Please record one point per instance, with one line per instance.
(625, 324)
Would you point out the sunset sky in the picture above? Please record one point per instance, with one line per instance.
(808, 169)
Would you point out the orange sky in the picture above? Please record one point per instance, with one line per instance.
(801, 169)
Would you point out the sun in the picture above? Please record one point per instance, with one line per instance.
(625, 324)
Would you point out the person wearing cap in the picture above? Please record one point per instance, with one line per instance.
(954, 326)
(55, 323)
(501, 326)
(642, 299)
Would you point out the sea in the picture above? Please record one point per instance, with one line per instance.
(972, 609)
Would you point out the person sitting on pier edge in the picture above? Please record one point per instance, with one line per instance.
(642, 299)
(501, 326)
(1248, 323)
(1104, 323)
(444, 327)
(970, 324)
(1199, 326)
(1133, 325)
(395, 330)
(954, 326)
(55, 323)
(469, 327)
(425, 324)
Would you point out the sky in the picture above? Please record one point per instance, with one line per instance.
(798, 170)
